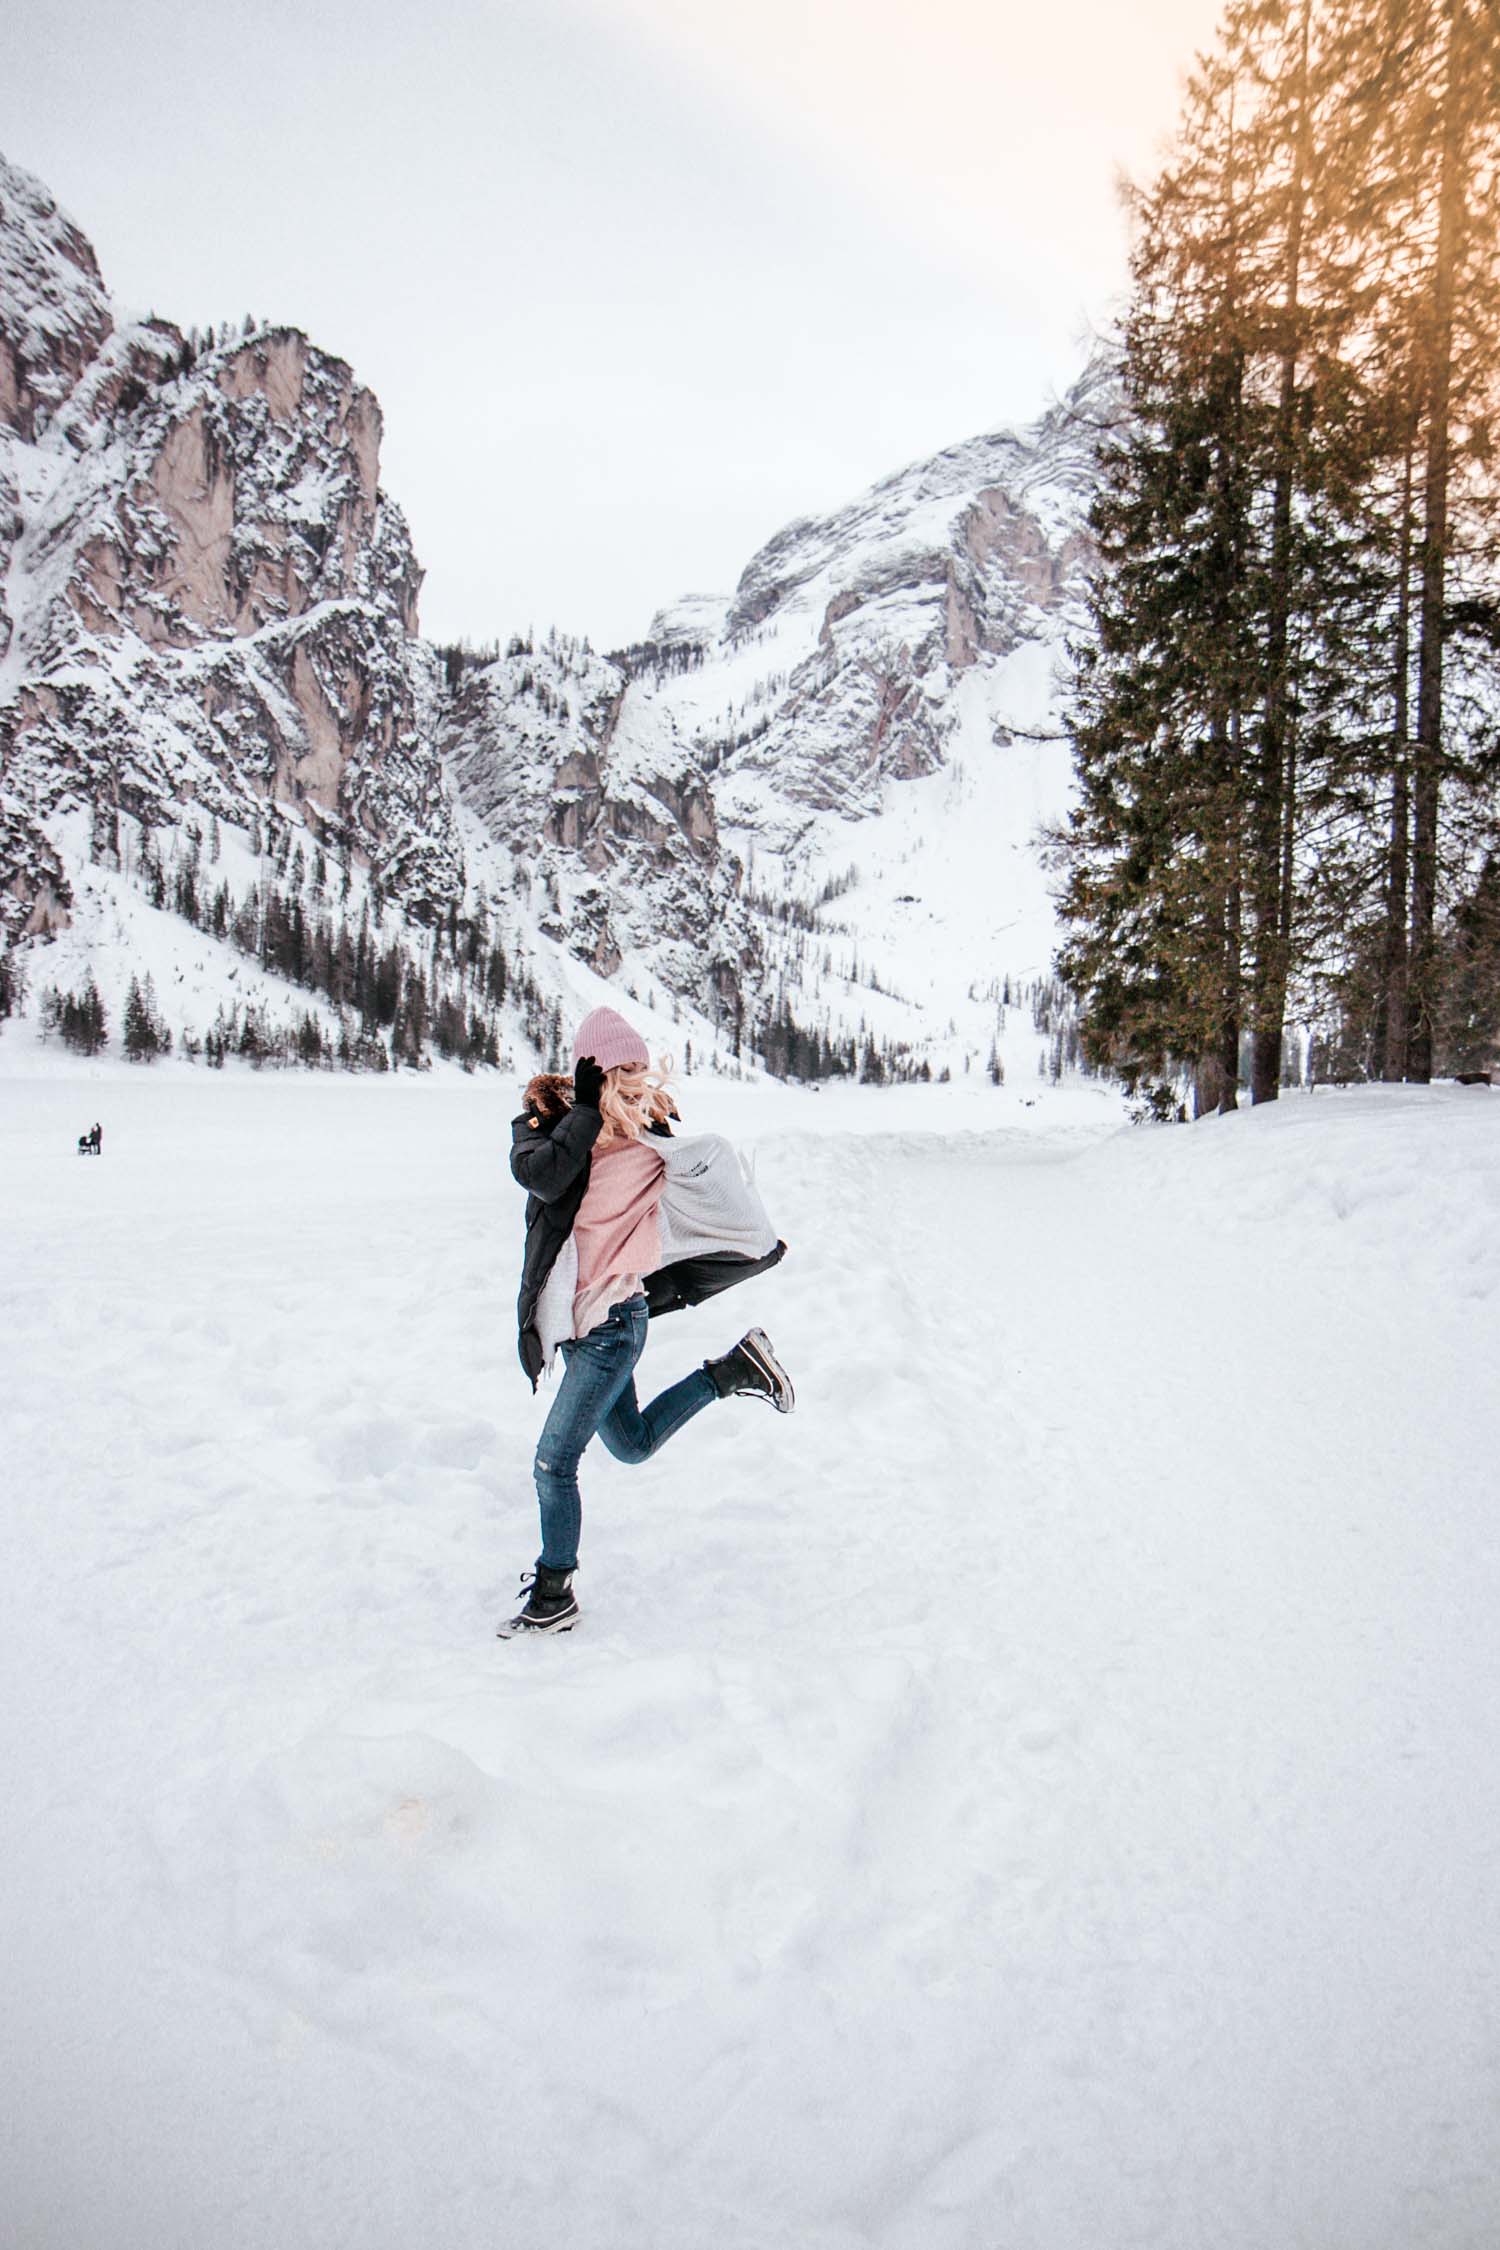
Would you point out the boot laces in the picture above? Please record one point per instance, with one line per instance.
(529, 1582)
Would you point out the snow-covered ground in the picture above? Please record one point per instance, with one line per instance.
(1042, 1795)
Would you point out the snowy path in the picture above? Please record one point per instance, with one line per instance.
(1042, 1795)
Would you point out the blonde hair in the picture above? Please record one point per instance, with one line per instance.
(635, 1097)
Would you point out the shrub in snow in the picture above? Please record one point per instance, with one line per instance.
(12, 984)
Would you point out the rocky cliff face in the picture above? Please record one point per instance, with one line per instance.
(54, 314)
(832, 671)
(207, 599)
(607, 813)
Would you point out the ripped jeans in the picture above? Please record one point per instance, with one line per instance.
(598, 1393)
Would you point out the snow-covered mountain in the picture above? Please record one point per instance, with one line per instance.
(820, 793)
(877, 704)
(810, 802)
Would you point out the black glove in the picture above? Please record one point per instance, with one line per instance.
(588, 1083)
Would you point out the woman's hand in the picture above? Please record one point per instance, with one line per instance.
(588, 1083)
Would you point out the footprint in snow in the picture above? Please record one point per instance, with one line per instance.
(456, 1444)
(1039, 1733)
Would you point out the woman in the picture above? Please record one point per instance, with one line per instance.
(593, 1161)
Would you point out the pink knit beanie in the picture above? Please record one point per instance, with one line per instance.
(610, 1040)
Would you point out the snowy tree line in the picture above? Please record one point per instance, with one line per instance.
(791, 912)
(659, 660)
(445, 997)
(790, 1049)
(1284, 710)
(398, 996)
(566, 651)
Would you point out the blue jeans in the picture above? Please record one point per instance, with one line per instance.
(598, 1393)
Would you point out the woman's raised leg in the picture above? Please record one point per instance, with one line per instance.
(633, 1434)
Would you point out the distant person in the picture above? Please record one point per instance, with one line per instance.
(91, 1143)
(97, 1137)
(622, 1221)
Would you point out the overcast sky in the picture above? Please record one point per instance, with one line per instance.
(635, 281)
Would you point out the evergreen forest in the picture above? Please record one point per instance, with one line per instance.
(1285, 693)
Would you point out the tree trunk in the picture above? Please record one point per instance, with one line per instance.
(1274, 799)
(1216, 1068)
(1229, 1025)
(1392, 1027)
(1427, 760)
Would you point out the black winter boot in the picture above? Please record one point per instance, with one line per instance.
(753, 1368)
(549, 1606)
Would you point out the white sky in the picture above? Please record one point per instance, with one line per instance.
(635, 281)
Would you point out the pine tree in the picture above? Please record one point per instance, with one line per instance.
(1421, 81)
(144, 1036)
(1465, 104)
(1153, 852)
(1468, 1025)
(12, 982)
(138, 1040)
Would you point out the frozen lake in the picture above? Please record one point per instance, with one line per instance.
(1042, 1794)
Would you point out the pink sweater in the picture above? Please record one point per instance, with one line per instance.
(616, 1230)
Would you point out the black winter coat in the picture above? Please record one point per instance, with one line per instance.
(552, 1163)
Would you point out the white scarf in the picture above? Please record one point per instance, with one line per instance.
(708, 1205)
